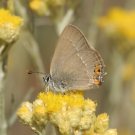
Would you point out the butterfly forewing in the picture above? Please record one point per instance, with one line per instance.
(74, 60)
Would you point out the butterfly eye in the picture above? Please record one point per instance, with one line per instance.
(44, 79)
(47, 79)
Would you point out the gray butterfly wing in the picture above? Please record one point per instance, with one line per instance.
(75, 62)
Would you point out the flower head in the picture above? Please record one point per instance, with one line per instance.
(118, 25)
(56, 9)
(39, 6)
(54, 102)
(101, 124)
(45, 7)
(70, 112)
(9, 26)
(119, 20)
(39, 112)
(25, 112)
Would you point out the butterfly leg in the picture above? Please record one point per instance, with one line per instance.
(47, 88)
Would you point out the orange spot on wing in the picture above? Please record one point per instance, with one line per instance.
(97, 75)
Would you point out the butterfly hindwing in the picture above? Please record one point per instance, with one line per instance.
(75, 63)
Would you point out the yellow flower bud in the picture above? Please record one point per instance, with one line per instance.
(39, 6)
(74, 116)
(25, 112)
(111, 132)
(39, 112)
(89, 106)
(101, 124)
(9, 26)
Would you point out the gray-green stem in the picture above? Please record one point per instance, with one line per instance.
(3, 123)
(93, 31)
(116, 85)
(4, 49)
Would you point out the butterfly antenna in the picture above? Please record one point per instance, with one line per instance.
(33, 72)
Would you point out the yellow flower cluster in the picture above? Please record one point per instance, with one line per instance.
(45, 7)
(53, 8)
(120, 21)
(119, 25)
(70, 112)
(9, 26)
(39, 6)
(100, 126)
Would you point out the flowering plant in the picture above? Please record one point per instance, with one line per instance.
(70, 112)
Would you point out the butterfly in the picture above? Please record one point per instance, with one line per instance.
(76, 65)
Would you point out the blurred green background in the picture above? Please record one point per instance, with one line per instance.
(108, 25)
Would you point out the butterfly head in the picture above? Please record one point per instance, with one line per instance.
(47, 78)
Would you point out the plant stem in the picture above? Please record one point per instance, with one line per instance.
(116, 86)
(4, 49)
(57, 132)
(65, 21)
(93, 31)
(3, 123)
